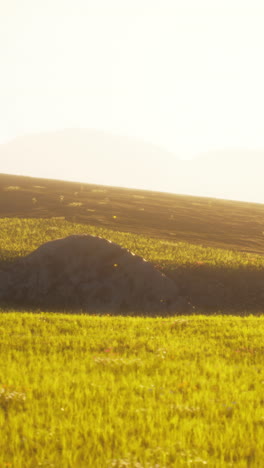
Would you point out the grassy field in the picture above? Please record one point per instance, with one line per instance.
(79, 391)
(214, 280)
(103, 392)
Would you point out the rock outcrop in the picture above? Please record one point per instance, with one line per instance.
(92, 274)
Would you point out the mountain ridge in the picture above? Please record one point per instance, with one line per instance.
(96, 157)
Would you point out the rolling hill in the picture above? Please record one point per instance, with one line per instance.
(198, 220)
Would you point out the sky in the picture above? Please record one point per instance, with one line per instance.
(186, 75)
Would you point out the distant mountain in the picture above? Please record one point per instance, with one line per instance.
(86, 155)
(96, 157)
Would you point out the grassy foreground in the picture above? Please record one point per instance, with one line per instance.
(104, 392)
(80, 391)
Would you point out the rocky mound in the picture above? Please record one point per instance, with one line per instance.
(89, 273)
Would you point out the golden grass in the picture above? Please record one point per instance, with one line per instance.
(105, 392)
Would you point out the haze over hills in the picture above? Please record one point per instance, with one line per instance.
(96, 157)
(86, 155)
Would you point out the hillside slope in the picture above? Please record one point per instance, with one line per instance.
(206, 221)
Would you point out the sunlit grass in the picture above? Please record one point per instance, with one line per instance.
(84, 391)
(75, 204)
(20, 236)
(79, 391)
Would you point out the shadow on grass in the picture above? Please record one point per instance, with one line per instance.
(7, 262)
(220, 289)
(209, 289)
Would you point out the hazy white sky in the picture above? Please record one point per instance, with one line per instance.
(185, 74)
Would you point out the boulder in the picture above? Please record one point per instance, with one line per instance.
(92, 274)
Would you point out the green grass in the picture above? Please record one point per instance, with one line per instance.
(213, 279)
(79, 391)
(100, 392)
(19, 236)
